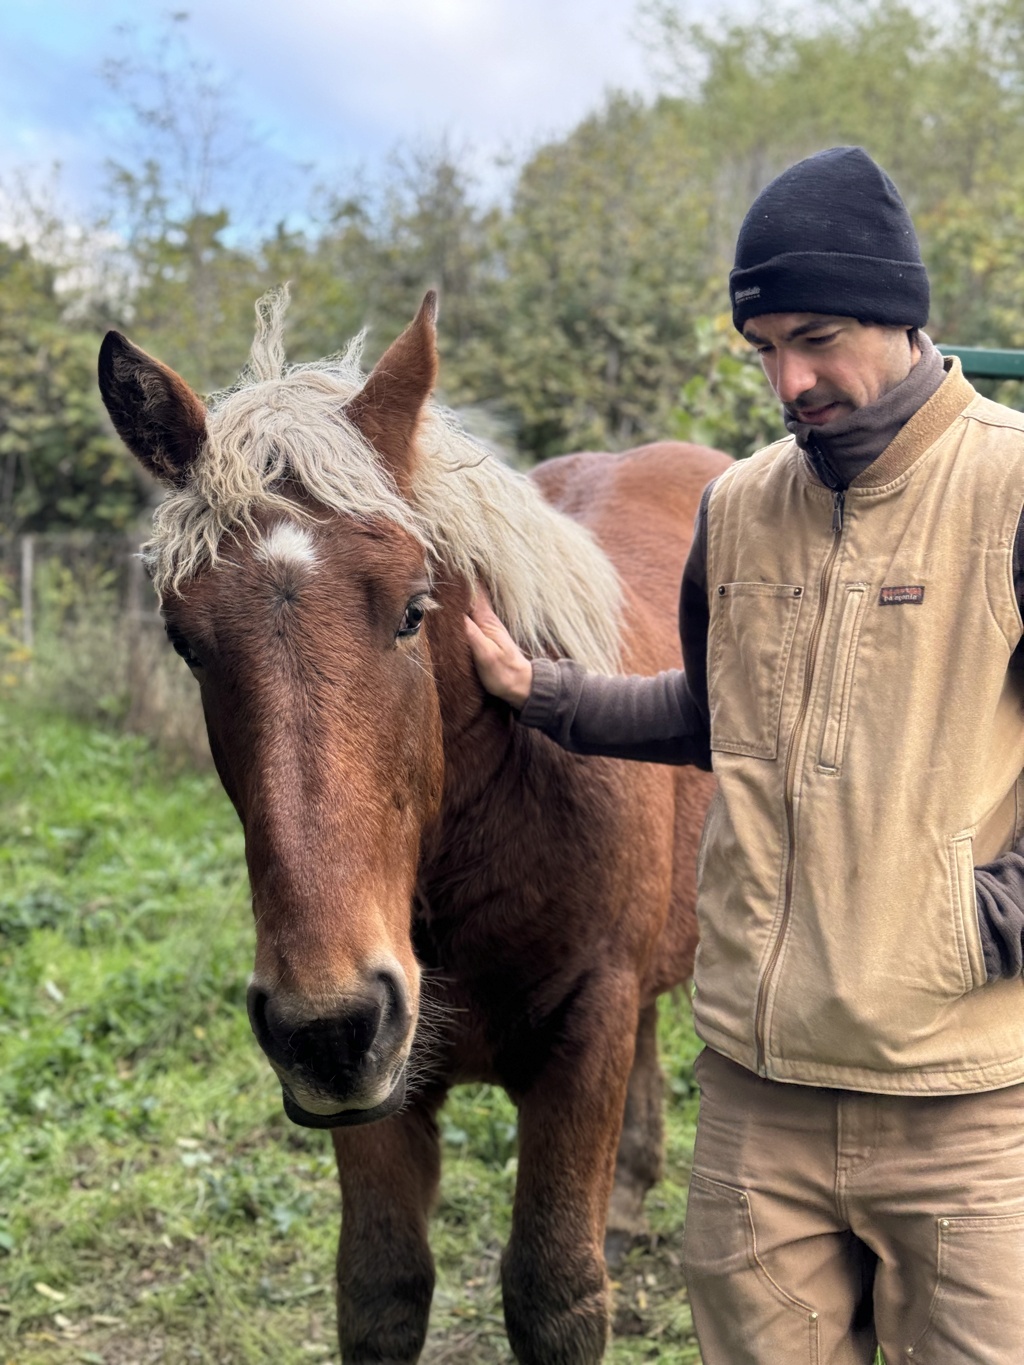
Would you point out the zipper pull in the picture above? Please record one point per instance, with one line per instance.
(838, 501)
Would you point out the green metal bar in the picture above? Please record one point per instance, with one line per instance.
(980, 363)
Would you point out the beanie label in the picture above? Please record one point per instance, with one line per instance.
(754, 292)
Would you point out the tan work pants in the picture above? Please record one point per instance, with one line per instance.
(821, 1222)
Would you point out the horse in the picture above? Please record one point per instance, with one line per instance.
(440, 894)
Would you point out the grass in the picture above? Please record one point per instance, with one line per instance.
(155, 1204)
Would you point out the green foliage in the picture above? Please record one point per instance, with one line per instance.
(59, 461)
(727, 404)
(602, 263)
(14, 657)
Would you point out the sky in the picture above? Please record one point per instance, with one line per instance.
(329, 84)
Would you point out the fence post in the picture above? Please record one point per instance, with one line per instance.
(27, 594)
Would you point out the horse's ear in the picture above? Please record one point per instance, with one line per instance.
(156, 414)
(387, 407)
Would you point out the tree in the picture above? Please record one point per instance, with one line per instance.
(602, 260)
(60, 464)
(939, 102)
(185, 178)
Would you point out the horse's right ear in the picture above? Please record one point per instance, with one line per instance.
(156, 414)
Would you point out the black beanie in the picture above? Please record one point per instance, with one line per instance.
(830, 235)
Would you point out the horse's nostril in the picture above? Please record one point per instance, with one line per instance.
(256, 1001)
(395, 1012)
(394, 995)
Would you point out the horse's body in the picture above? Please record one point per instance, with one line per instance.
(550, 897)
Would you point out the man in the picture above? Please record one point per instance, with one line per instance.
(851, 627)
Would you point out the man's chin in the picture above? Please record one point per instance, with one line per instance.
(344, 1118)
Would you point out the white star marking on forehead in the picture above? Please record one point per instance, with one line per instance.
(287, 543)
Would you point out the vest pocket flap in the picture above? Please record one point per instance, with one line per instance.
(750, 642)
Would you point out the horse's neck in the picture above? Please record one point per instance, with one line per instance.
(478, 731)
(476, 727)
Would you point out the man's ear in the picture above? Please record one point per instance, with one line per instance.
(388, 406)
(156, 414)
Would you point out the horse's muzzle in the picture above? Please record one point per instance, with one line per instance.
(336, 1064)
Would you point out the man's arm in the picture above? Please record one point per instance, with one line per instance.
(663, 719)
(653, 720)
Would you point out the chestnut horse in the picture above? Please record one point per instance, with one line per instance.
(440, 894)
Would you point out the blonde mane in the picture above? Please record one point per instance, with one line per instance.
(549, 580)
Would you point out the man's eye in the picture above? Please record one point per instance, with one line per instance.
(821, 341)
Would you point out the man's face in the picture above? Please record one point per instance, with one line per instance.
(823, 367)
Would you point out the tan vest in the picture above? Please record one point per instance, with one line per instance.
(868, 742)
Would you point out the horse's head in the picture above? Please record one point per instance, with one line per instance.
(296, 589)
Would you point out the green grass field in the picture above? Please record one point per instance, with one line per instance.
(155, 1204)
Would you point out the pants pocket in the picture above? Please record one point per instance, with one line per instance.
(975, 1312)
(741, 1314)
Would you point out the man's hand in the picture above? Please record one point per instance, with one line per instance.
(504, 669)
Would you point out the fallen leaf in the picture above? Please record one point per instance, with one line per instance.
(48, 1292)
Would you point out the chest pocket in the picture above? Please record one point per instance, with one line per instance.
(751, 639)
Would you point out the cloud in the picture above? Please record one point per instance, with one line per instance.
(332, 81)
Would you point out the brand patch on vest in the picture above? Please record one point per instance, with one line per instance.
(895, 597)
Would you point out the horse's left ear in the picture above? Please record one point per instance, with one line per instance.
(387, 407)
(157, 415)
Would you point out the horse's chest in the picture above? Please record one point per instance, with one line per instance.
(494, 992)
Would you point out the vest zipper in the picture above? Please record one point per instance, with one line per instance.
(838, 503)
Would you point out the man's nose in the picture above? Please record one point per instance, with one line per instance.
(793, 375)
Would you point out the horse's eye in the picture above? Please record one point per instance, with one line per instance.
(413, 618)
(182, 647)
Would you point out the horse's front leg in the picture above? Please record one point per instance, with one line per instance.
(389, 1177)
(553, 1272)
